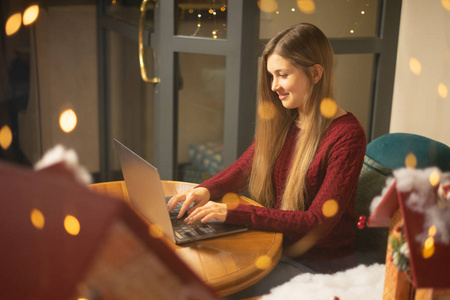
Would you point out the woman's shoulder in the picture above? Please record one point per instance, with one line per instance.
(346, 128)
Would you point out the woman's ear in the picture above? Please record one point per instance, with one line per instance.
(316, 73)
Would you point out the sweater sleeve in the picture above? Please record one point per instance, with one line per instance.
(343, 165)
(232, 179)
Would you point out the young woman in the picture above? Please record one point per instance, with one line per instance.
(304, 164)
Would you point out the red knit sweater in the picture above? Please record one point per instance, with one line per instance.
(333, 174)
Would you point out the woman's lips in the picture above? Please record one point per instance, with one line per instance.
(283, 96)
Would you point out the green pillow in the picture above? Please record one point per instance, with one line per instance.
(390, 151)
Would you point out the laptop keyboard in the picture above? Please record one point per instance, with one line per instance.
(183, 230)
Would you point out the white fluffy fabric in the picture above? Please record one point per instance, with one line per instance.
(362, 282)
(69, 157)
(417, 181)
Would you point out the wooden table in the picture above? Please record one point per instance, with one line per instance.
(227, 264)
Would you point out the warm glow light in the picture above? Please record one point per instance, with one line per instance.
(223, 8)
(72, 225)
(191, 11)
(210, 10)
(328, 108)
(230, 198)
(432, 230)
(267, 110)
(434, 178)
(352, 31)
(429, 242)
(363, 12)
(37, 218)
(330, 208)
(30, 15)
(411, 161)
(68, 120)
(415, 66)
(428, 248)
(428, 252)
(306, 6)
(13, 24)
(292, 9)
(446, 4)
(6, 137)
(263, 262)
(155, 231)
(442, 90)
(267, 5)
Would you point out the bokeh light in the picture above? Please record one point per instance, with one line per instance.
(30, 15)
(415, 66)
(446, 4)
(72, 225)
(68, 120)
(5, 137)
(330, 208)
(267, 5)
(306, 6)
(263, 262)
(328, 108)
(266, 110)
(428, 248)
(432, 230)
(37, 218)
(230, 198)
(442, 90)
(434, 178)
(13, 24)
(411, 161)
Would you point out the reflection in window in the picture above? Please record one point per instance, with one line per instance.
(200, 116)
(202, 18)
(337, 18)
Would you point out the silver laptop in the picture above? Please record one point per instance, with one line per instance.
(147, 197)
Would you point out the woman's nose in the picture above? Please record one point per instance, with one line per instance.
(275, 86)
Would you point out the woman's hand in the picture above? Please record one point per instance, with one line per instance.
(200, 196)
(212, 210)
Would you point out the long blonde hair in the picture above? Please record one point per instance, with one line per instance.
(304, 45)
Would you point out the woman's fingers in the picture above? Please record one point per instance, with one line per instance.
(198, 196)
(174, 201)
(211, 210)
(190, 198)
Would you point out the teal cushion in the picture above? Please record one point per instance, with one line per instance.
(390, 151)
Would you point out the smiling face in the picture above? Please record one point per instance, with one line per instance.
(290, 82)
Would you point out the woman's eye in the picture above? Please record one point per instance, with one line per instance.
(283, 75)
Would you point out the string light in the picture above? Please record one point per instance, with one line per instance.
(442, 90)
(306, 6)
(267, 6)
(68, 120)
(415, 66)
(6, 137)
(71, 225)
(13, 24)
(30, 15)
(37, 218)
